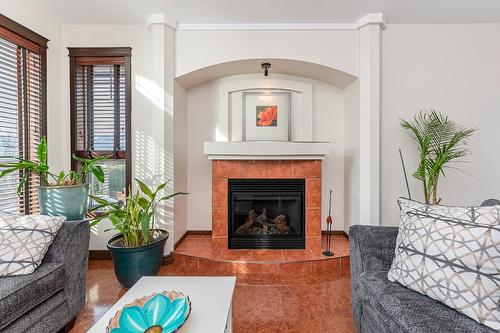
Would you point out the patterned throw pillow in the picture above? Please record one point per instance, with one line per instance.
(451, 254)
(24, 240)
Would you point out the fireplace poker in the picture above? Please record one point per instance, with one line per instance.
(329, 221)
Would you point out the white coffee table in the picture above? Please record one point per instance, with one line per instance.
(210, 301)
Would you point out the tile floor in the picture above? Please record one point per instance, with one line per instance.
(268, 297)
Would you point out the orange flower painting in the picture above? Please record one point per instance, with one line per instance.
(267, 115)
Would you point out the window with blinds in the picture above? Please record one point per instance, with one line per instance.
(100, 88)
(22, 109)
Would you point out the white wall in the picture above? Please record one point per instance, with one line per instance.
(336, 48)
(152, 161)
(202, 106)
(180, 161)
(454, 69)
(38, 18)
(351, 156)
(328, 125)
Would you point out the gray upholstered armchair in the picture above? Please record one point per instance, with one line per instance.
(49, 299)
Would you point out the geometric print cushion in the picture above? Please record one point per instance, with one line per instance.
(451, 254)
(24, 240)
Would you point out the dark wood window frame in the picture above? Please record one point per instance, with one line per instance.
(29, 40)
(95, 55)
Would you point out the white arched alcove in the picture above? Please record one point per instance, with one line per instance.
(320, 94)
(326, 124)
(352, 72)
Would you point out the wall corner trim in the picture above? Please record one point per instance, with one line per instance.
(161, 19)
(371, 18)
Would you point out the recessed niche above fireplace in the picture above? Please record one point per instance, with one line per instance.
(266, 213)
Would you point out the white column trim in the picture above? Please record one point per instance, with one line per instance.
(369, 108)
(162, 19)
(372, 18)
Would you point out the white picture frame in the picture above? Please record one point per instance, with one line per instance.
(266, 116)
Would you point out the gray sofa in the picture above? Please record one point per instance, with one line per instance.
(379, 305)
(49, 299)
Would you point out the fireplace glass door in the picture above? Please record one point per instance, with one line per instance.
(266, 213)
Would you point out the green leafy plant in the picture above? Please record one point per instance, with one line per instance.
(135, 217)
(40, 168)
(441, 141)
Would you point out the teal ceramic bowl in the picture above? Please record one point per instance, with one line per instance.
(69, 201)
(164, 312)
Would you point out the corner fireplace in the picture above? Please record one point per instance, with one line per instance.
(266, 213)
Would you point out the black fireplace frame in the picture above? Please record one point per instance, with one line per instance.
(236, 241)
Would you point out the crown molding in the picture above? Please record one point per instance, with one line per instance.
(372, 18)
(161, 19)
(263, 26)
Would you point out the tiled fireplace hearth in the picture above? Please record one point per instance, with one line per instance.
(307, 170)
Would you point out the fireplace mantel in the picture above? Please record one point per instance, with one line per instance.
(267, 150)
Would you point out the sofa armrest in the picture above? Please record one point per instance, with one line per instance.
(71, 248)
(371, 249)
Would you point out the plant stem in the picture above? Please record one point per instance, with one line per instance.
(426, 192)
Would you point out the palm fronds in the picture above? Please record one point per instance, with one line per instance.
(441, 141)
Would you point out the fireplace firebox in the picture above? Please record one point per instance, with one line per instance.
(266, 214)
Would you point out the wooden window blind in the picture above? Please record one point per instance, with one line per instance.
(100, 113)
(22, 109)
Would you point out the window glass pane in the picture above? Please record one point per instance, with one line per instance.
(100, 105)
(9, 123)
(114, 182)
(99, 109)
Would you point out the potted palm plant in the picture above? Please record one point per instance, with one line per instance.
(137, 249)
(60, 194)
(441, 141)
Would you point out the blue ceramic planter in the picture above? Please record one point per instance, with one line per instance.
(132, 263)
(69, 201)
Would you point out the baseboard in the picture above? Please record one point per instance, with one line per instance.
(99, 255)
(199, 232)
(335, 232)
(192, 232)
(168, 259)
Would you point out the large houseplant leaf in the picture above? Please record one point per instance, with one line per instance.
(145, 189)
(42, 151)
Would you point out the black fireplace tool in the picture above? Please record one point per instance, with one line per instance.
(329, 221)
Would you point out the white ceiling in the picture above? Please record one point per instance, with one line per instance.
(275, 11)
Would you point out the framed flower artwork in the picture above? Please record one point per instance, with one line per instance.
(266, 115)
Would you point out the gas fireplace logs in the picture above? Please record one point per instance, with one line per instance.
(261, 225)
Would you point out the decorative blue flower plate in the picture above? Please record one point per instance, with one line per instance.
(163, 312)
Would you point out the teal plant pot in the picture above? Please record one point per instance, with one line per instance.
(132, 263)
(70, 201)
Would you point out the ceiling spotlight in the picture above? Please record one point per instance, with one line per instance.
(265, 66)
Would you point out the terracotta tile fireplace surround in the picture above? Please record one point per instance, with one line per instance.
(309, 170)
